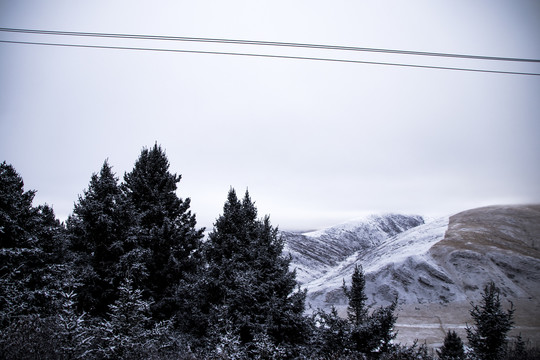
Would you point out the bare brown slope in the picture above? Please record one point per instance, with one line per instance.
(499, 243)
(514, 228)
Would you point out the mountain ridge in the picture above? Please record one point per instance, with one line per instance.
(443, 264)
(329, 246)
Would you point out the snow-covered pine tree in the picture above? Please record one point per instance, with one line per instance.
(248, 278)
(97, 231)
(164, 236)
(32, 246)
(487, 337)
(74, 336)
(125, 335)
(16, 209)
(452, 348)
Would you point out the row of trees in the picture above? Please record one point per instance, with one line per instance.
(129, 276)
(129, 273)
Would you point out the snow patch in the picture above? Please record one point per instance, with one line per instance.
(413, 242)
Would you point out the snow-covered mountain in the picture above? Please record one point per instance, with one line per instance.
(443, 263)
(319, 252)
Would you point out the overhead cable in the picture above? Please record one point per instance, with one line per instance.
(268, 56)
(266, 43)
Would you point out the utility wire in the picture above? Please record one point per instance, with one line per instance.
(265, 43)
(268, 56)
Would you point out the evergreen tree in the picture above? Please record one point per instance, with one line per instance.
(357, 310)
(452, 348)
(128, 333)
(74, 336)
(248, 279)
(16, 211)
(487, 337)
(368, 333)
(98, 230)
(379, 329)
(519, 350)
(331, 335)
(32, 244)
(164, 239)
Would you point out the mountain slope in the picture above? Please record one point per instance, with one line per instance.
(393, 267)
(499, 243)
(441, 265)
(315, 253)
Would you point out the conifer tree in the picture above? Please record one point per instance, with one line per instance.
(357, 310)
(367, 333)
(487, 337)
(519, 348)
(98, 230)
(32, 244)
(452, 348)
(16, 211)
(248, 278)
(74, 335)
(331, 337)
(164, 238)
(128, 333)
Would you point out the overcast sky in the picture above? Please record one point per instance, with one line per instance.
(315, 142)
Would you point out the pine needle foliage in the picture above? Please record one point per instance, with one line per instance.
(97, 230)
(247, 279)
(164, 242)
(487, 337)
(357, 309)
(452, 348)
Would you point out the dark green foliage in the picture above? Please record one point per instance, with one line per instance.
(98, 230)
(379, 329)
(369, 333)
(413, 352)
(331, 335)
(522, 350)
(452, 348)
(129, 332)
(29, 337)
(361, 334)
(16, 211)
(164, 243)
(519, 349)
(73, 336)
(247, 280)
(487, 337)
(357, 309)
(32, 250)
(32, 245)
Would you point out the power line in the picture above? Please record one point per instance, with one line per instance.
(268, 56)
(266, 43)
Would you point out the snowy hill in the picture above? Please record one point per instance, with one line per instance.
(442, 264)
(316, 253)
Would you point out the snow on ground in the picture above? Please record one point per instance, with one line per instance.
(414, 242)
(351, 225)
(379, 262)
(316, 253)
